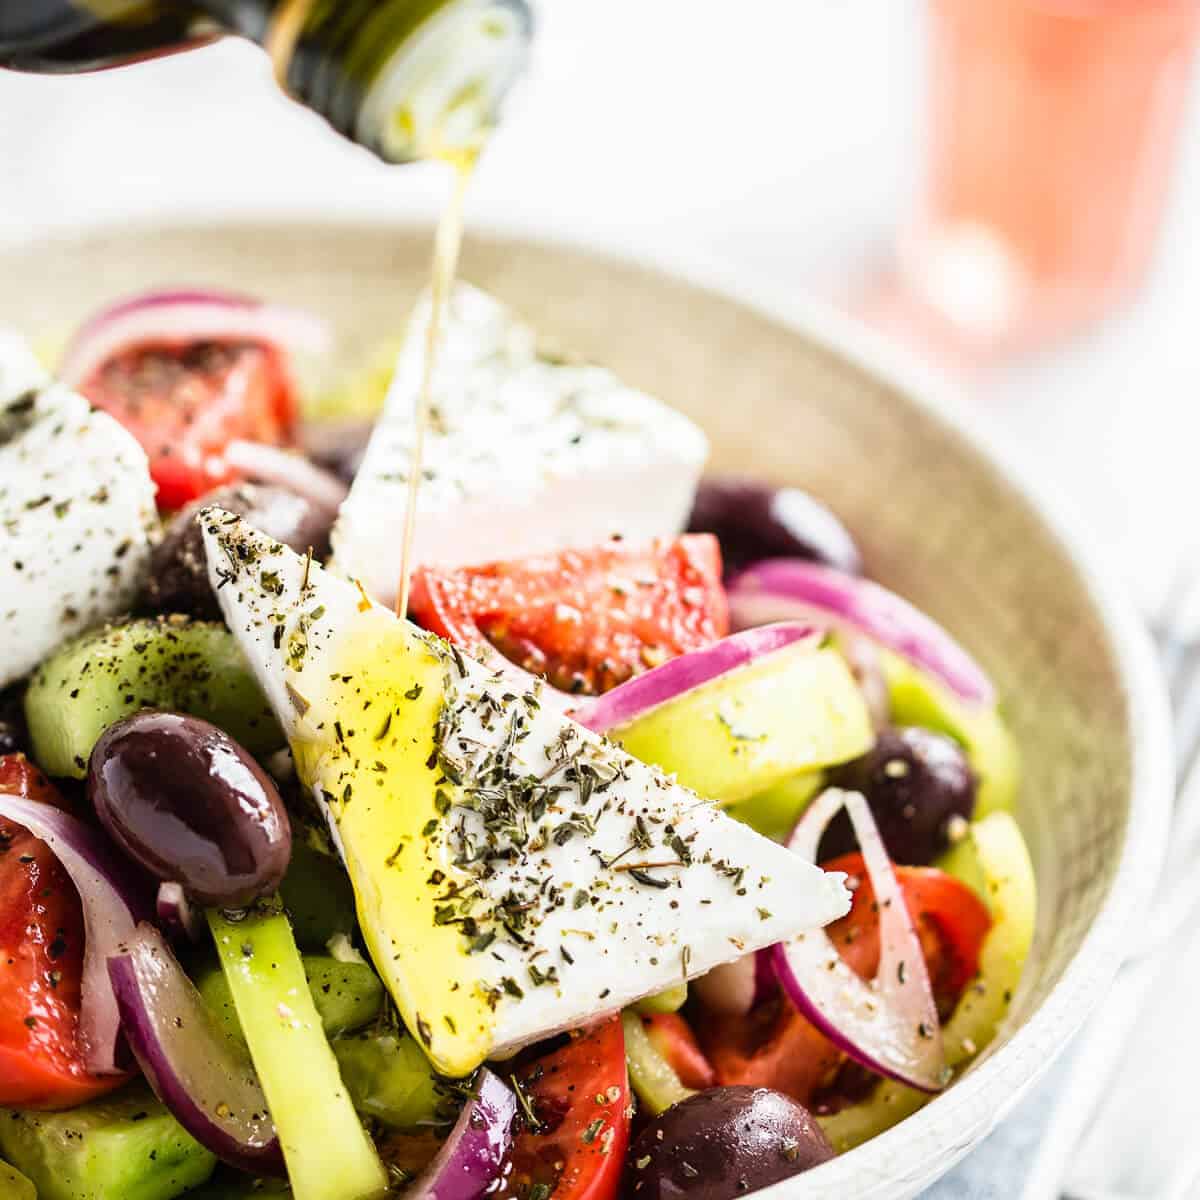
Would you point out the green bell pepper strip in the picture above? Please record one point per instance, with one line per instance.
(652, 1078)
(669, 1000)
(328, 1153)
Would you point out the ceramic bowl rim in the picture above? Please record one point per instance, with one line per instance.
(1004, 1075)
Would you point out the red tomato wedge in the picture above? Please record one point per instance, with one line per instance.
(673, 1038)
(579, 1096)
(586, 619)
(778, 1048)
(41, 963)
(772, 1047)
(186, 403)
(950, 918)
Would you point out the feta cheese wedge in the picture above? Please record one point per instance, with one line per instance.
(525, 454)
(516, 875)
(76, 513)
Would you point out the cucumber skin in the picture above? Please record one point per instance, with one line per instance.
(327, 1151)
(102, 1162)
(346, 995)
(173, 663)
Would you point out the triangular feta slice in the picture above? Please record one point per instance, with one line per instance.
(77, 514)
(525, 453)
(516, 875)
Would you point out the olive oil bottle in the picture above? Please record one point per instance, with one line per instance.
(408, 79)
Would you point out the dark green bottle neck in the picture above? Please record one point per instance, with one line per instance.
(411, 79)
(407, 79)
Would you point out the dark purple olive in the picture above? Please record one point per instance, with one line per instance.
(754, 521)
(178, 576)
(918, 784)
(723, 1143)
(184, 800)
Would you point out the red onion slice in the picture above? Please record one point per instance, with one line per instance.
(471, 1158)
(175, 913)
(203, 1077)
(793, 589)
(889, 1025)
(179, 317)
(111, 909)
(270, 464)
(644, 692)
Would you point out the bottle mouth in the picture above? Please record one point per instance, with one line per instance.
(441, 93)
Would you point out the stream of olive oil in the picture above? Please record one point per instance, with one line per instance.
(286, 26)
(281, 44)
(446, 245)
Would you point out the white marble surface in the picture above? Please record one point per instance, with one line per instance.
(773, 138)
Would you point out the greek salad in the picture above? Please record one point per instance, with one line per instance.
(656, 850)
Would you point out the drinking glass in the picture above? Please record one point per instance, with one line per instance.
(1052, 130)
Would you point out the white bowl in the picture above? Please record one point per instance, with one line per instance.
(942, 518)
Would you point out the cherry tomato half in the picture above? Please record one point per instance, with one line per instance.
(578, 1096)
(586, 619)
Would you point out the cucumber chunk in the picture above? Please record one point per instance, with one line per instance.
(318, 897)
(993, 857)
(347, 996)
(918, 699)
(995, 852)
(791, 712)
(389, 1078)
(14, 1185)
(774, 813)
(166, 662)
(328, 1154)
(126, 1145)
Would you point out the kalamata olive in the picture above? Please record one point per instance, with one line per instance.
(184, 800)
(754, 521)
(723, 1143)
(178, 575)
(918, 784)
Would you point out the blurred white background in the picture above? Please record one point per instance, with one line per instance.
(777, 140)
(773, 140)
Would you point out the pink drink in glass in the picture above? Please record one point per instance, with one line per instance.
(1051, 135)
